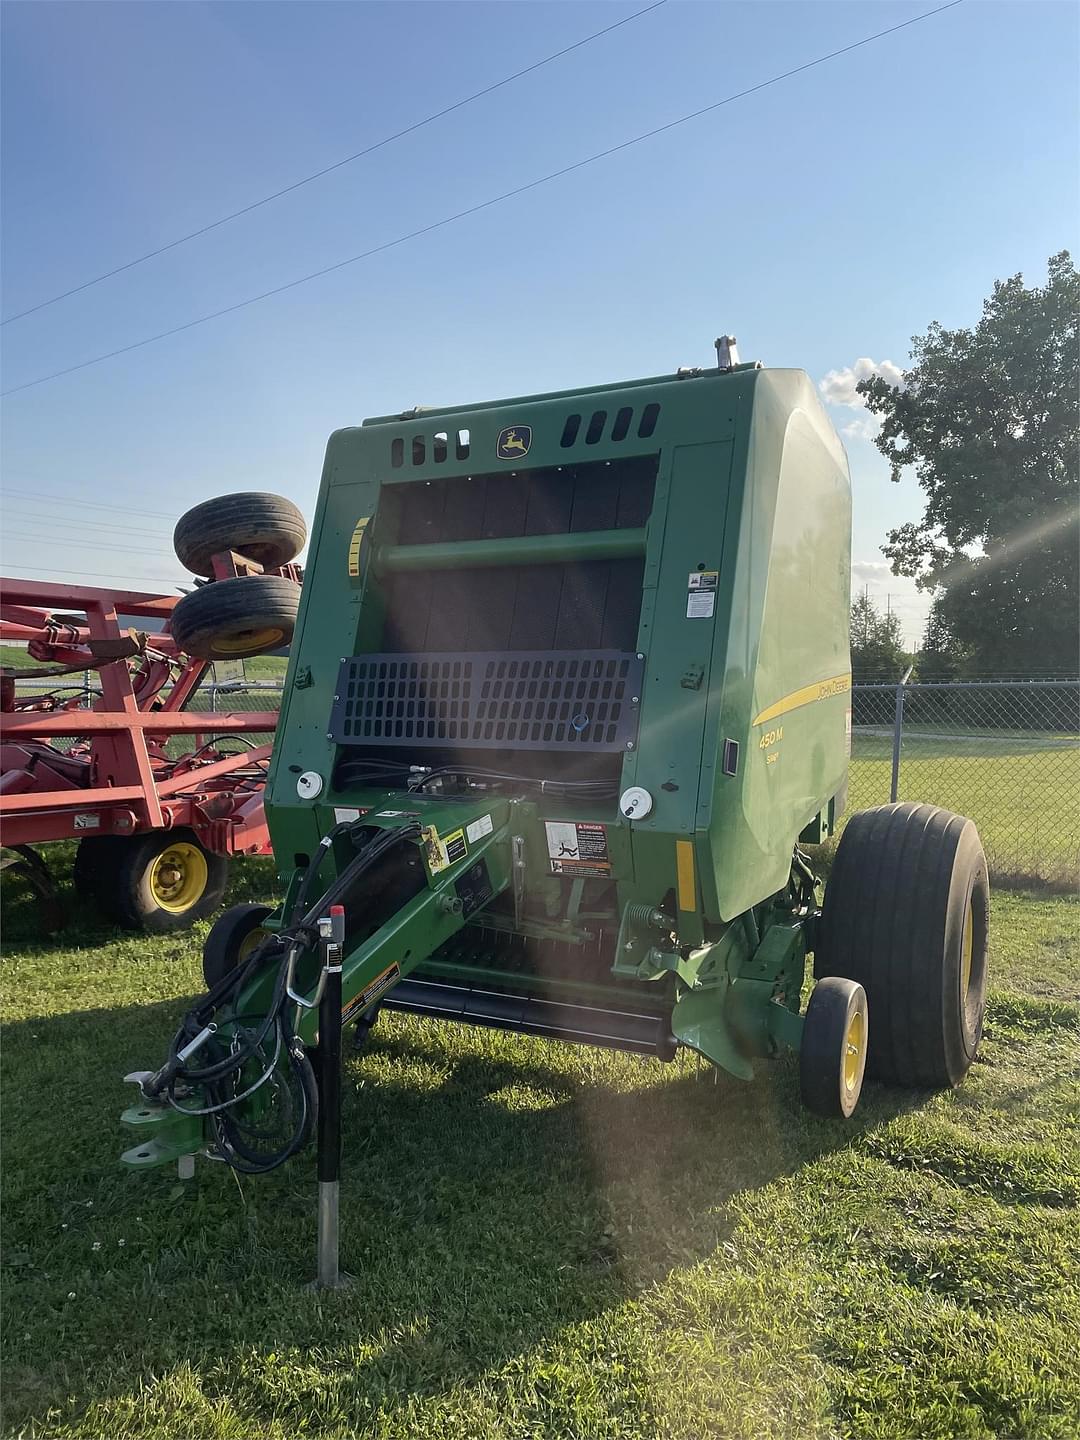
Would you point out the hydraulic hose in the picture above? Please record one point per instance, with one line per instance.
(199, 1029)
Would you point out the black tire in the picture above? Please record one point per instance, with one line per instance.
(231, 937)
(906, 914)
(233, 619)
(262, 527)
(832, 1057)
(138, 888)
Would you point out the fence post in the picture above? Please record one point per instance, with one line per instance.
(898, 735)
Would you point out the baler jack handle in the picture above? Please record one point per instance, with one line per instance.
(328, 1137)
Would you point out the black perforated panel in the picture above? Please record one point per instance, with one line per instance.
(525, 700)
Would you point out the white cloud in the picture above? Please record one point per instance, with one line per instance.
(865, 428)
(866, 571)
(838, 386)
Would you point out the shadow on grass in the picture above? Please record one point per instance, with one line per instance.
(85, 926)
(492, 1195)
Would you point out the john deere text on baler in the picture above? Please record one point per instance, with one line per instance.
(570, 685)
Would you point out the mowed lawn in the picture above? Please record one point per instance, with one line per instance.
(1023, 791)
(546, 1241)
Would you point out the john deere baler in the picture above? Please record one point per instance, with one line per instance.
(570, 685)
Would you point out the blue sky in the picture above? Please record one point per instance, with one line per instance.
(823, 220)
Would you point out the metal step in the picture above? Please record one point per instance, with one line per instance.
(642, 1034)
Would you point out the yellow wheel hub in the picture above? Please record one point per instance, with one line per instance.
(966, 948)
(250, 944)
(178, 877)
(853, 1048)
(246, 641)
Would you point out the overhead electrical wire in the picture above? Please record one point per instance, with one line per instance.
(89, 504)
(131, 581)
(148, 550)
(49, 526)
(484, 204)
(337, 164)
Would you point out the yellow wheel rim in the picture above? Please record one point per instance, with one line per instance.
(853, 1048)
(966, 948)
(250, 944)
(249, 641)
(178, 877)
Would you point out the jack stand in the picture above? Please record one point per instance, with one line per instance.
(332, 933)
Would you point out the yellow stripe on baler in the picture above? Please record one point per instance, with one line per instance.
(820, 690)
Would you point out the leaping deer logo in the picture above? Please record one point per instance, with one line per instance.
(514, 442)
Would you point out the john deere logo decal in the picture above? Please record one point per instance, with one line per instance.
(513, 444)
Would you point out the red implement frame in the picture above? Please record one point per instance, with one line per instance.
(118, 778)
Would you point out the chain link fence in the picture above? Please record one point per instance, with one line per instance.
(1005, 753)
(226, 688)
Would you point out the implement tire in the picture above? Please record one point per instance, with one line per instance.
(906, 915)
(163, 880)
(262, 527)
(234, 619)
(832, 1056)
(233, 936)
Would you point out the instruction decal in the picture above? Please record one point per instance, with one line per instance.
(701, 594)
(355, 544)
(372, 991)
(441, 853)
(575, 848)
(479, 828)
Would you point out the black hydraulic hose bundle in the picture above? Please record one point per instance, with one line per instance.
(222, 1081)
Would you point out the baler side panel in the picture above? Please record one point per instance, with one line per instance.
(787, 666)
(327, 629)
(679, 622)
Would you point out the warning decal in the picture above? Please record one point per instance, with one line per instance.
(442, 853)
(577, 849)
(371, 992)
(701, 594)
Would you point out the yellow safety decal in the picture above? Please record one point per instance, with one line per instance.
(371, 992)
(820, 690)
(442, 851)
(355, 543)
(684, 869)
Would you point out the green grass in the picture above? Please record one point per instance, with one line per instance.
(1023, 791)
(547, 1241)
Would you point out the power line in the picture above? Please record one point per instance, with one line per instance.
(483, 205)
(90, 504)
(337, 164)
(74, 540)
(96, 575)
(50, 522)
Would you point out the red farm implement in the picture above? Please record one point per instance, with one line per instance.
(158, 792)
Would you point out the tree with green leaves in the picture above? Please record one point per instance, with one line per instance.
(989, 418)
(877, 646)
(940, 656)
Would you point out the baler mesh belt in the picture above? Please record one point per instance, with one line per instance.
(528, 700)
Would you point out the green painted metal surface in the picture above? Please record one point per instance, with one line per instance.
(700, 522)
(752, 483)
